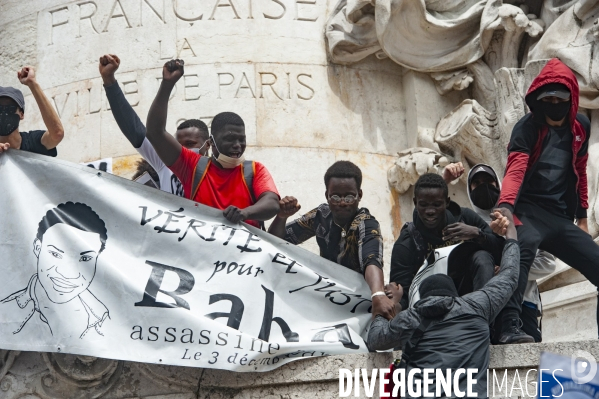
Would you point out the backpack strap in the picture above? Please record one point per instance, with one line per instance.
(413, 342)
(198, 175)
(249, 170)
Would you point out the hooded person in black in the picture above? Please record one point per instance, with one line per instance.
(439, 222)
(545, 184)
(456, 329)
(483, 191)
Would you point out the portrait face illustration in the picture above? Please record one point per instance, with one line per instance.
(67, 260)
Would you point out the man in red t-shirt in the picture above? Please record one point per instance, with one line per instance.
(223, 185)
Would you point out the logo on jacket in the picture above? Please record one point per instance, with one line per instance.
(578, 138)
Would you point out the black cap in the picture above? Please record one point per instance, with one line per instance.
(554, 90)
(15, 94)
(481, 168)
(437, 285)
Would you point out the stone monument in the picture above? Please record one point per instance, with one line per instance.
(398, 87)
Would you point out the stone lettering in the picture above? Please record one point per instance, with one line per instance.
(129, 88)
(263, 83)
(284, 9)
(190, 82)
(297, 10)
(188, 19)
(88, 16)
(151, 7)
(94, 106)
(121, 14)
(306, 86)
(250, 10)
(228, 3)
(222, 83)
(245, 85)
(186, 46)
(92, 17)
(59, 22)
(164, 55)
(60, 109)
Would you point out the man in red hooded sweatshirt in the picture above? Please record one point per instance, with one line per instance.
(545, 185)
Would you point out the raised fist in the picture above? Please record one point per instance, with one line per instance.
(173, 70)
(27, 75)
(289, 206)
(109, 63)
(453, 171)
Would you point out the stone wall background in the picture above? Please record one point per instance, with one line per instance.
(266, 60)
(268, 63)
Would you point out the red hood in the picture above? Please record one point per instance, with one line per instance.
(556, 72)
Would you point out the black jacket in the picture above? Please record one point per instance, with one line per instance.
(406, 258)
(458, 333)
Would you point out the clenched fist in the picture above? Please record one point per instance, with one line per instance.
(453, 171)
(27, 76)
(109, 63)
(288, 207)
(172, 71)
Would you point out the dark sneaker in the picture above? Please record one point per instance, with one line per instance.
(512, 334)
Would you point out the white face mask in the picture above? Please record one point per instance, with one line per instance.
(226, 161)
(199, 150)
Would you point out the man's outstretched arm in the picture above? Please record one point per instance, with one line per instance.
(124, 115)
(55, 132)
(388, 334)
(265, 208)
(288, 207)
(166, 146)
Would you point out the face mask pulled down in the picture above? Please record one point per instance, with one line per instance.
(485, 196)
(226, 161)
(9, 119)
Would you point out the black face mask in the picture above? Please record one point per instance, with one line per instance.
(556, 112)
(9, 119)
(485, 196)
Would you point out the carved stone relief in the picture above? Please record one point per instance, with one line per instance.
(497, 70)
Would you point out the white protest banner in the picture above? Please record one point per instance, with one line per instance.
(93, 264)
(105, 165)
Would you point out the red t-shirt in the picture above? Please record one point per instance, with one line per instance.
(222, 187)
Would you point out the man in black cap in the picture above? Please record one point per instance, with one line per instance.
(12, 111)
(545, 184)
(444, 331)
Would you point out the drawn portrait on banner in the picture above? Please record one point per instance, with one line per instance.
(69, 240)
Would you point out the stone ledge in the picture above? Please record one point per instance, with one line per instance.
(54, 376)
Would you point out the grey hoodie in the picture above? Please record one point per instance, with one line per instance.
(543, 265)
(458, 334)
